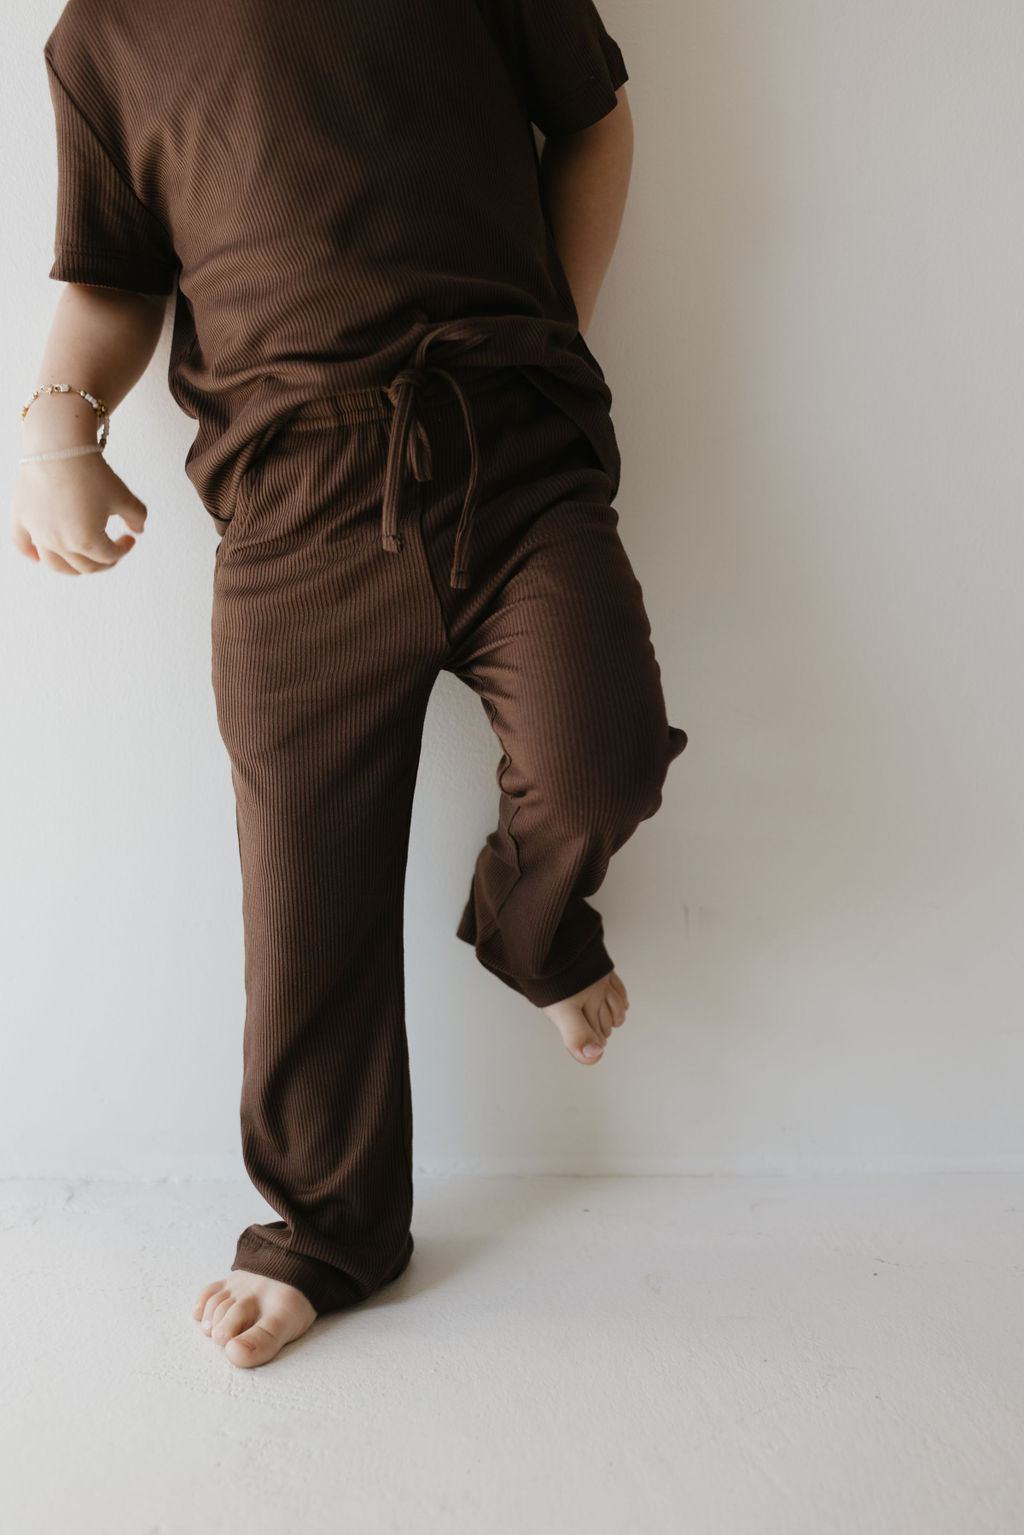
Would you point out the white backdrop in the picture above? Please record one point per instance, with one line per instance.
(813, 329)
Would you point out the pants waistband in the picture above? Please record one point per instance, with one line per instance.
(373, 403)
(422, 378)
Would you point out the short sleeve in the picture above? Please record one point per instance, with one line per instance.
(571, 66)
(104, 233)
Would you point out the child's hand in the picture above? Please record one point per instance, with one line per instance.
(60, 510)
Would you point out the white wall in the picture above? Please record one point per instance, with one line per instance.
(813, 328)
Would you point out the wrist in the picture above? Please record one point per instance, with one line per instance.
(53, 456)
(62, 416)
(58, 421)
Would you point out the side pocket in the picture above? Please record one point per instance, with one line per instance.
(589, 452)
(246, 487)
(244, 496)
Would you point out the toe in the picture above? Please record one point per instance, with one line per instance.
(598, 1016)
(588, 1047)
(203, 1296)
(212, 1305)
(221, 1310)
(256, 1345)
(235, 1319)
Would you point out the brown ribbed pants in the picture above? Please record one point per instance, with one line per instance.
(327, 639)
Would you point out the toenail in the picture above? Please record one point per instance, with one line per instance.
(218, 1333)
(591, 1050)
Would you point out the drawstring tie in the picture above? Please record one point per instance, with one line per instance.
(409, 445)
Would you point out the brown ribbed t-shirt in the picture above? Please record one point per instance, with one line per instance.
(319, 182)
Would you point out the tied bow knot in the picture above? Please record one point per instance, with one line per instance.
(409, 444)
(402, 387)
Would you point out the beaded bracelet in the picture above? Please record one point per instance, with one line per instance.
(90, 447)
(99, 406)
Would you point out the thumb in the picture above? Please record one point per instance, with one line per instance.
(128, 506)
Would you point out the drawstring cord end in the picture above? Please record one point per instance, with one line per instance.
(392, 542)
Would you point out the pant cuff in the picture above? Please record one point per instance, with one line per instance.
(326, 1288)
(589, 966)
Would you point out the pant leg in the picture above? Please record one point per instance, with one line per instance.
(555, 639)
(324, 654)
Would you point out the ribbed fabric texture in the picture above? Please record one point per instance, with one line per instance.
(408, 448)
(320, 183)
(326, 646)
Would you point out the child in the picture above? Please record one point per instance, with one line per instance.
(407, 448)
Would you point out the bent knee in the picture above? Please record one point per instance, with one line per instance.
(619, 787)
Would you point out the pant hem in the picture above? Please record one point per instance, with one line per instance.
(590, 966)
(327, 1289)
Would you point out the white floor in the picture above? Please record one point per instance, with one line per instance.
(700, 1356)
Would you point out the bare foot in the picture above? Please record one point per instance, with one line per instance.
(252, 1317)
(586, 1019)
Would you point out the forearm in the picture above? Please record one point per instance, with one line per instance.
(585, 178)
(102, 340)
